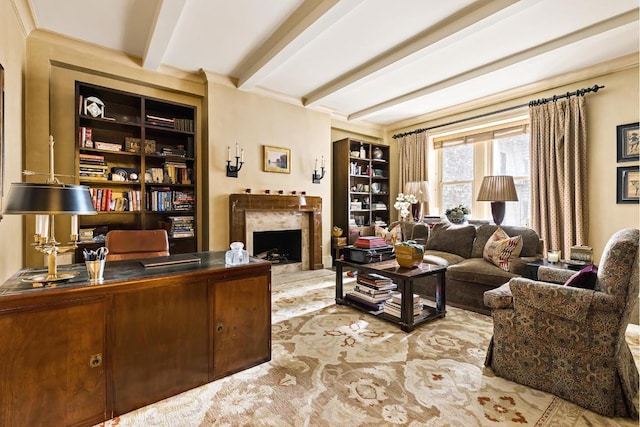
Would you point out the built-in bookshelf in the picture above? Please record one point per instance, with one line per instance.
(137, 154)
(360, 186)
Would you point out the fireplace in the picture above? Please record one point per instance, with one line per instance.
(279, 247)
(251, 213)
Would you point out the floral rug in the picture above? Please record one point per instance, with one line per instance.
(335, 366)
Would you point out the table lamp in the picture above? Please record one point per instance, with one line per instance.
(420, 189)
(498, 189)
(45, 201)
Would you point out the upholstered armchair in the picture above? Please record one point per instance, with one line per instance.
(570, 341)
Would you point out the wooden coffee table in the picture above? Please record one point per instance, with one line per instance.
(405, 279)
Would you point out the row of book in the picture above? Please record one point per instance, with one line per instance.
(166, 200)
(179, 226)
(107, 200)
(170, 173)
(376, 293)
(173, 123)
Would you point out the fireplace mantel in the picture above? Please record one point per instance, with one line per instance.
(239, 204)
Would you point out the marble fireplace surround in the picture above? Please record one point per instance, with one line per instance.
(244, 208)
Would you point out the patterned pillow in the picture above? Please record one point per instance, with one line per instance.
(501, 249)
(585, 278)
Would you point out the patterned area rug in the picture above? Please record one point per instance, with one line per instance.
(334, 366)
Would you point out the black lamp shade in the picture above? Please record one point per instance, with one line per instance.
(48, 199)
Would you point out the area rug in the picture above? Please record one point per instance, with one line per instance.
(335, 366)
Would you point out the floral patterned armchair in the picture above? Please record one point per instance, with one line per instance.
(571, 341)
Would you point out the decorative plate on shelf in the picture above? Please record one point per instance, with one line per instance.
(94, 107)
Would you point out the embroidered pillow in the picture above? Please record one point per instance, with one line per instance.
(585, 278)
(501, 249)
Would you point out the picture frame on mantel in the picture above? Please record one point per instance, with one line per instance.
(628, 184)
(628, 142)
(277, 159)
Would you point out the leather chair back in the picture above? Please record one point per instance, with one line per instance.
(135, 244)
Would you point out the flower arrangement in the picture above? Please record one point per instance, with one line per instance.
(403, 204)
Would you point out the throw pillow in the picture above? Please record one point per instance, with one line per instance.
(585, 278)
(501, 250)
(455, 239)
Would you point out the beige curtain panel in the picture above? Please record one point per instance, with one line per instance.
(559, 172)
(413, 160)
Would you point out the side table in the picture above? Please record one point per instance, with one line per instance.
(531, 269)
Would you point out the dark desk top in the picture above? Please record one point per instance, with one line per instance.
(120, 271)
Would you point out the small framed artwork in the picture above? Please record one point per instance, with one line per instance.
(277, 159)
(628, 184)
(628, 148)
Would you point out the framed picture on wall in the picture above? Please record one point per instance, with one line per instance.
(628, 148)
(628, 184)
(277, 159)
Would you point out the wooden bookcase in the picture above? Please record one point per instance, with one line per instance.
(360, 186)
(138, 156)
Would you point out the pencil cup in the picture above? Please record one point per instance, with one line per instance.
(95, 270)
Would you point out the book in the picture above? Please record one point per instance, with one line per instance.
(372, 298)
(376, 307)
(370, 242)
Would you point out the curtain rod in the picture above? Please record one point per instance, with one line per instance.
(579, 92)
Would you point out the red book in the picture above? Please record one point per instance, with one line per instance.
(370, 242)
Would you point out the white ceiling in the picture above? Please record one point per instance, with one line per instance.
(379, 61)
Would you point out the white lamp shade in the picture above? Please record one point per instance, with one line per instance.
(420, 189)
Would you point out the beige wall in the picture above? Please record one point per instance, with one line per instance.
(12, 58)
(618, 103)
(254, 121)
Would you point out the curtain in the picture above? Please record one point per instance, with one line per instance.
(413, 160)
(559, 173)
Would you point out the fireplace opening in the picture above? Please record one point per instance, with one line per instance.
(279, 247)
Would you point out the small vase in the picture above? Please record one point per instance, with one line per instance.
(408, 256)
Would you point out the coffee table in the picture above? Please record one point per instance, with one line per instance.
(405, 278)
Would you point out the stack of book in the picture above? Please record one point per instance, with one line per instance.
(93, 167)
(372, 291)
(179, 226)
(393, 305)
(370, 242)
(160, 121)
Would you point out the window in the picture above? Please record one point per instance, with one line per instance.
(465, 158)
(457, 176)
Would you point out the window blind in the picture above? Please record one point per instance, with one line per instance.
(481, 135)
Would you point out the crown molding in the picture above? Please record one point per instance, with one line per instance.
(27, 18)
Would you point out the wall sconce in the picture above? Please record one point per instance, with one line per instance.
(232, 171)
(316, 178)
(46, 201)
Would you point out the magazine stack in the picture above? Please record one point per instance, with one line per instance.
(372, 291)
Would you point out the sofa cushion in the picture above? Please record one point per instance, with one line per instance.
(530, 239)
(455, 239)
(585, 278)
(477, 270)
(501, 249)
(441, 258)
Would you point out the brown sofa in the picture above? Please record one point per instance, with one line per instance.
(468, 274)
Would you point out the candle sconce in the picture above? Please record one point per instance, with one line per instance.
(317, 177)
(232, 170)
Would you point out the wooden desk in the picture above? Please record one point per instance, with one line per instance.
(79, 354)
